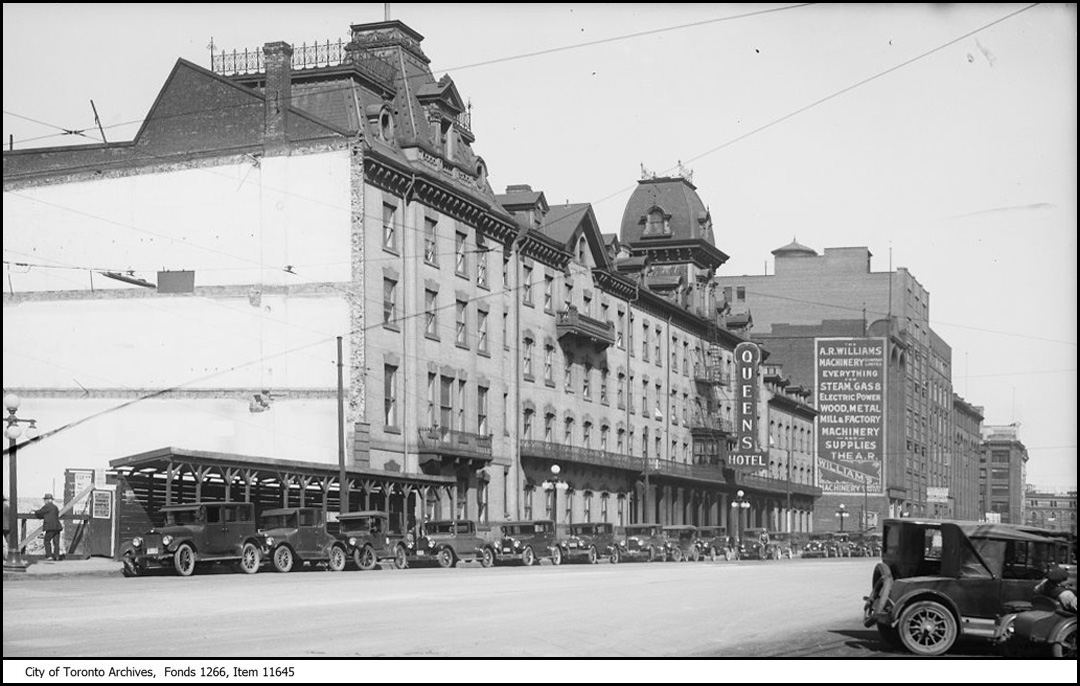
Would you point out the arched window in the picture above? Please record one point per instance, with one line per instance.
(656, 223)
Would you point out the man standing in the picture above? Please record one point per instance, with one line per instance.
(51, 514)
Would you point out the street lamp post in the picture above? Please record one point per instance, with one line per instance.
(738, 505)
(842, 513)
(14, 561)
(554, 484)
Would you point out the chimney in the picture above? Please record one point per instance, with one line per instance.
(278, 92)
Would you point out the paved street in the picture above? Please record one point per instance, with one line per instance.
(796, 607)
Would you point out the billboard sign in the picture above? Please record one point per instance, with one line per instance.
(747, 452)
(937, 494)
(850, 388)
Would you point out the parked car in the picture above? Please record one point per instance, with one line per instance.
(204, 532)
(982, 570)
(684, 542)
(450, 541)
(714, 542)
(755, 545)
(819, 545)
(873, 544)
(528, 541)
(782, 545)
(369, 539)
(591, 542)
(293, 536)
(642, 542)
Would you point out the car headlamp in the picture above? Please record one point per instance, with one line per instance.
(166, 540)
(352, 541)
(431, 544)
(137, 541)
(269, 540)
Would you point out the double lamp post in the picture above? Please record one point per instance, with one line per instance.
(13, 431)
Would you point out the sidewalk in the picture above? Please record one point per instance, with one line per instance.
(48, 569)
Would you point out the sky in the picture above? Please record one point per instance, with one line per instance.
(942, 137)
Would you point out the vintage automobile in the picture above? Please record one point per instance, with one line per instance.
(873, 544)
(684, 542)
(820, 545)
(849, 545)
(369, 539)
(755, 545)
(782, 545)
(450, 541)
(528, 541)
(642, 542)
(1042, 627)
(714, 542)
(956, 580)
(203, 532)
(589, 542)
(293, 536)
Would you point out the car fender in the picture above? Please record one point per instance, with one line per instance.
(1062, 629)
(915, 595)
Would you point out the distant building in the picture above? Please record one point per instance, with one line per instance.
(964, 491)
(1003, 474)
(836, 295)
(1051, 510)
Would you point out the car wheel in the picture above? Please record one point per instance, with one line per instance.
(401, 558)
(712, 554)
(250, 558)
(889, 635)
(130, 568)
(653, 556)
(184, 560)
(446, 558)
(528, 557)
(694, 556)
(677, 555)
(556, 555)
(337, 559)
(594, 557)
(366, 558)
(487, 558)
(1065, 645)
(927, 628)
(616, 556)
(727, 555)
(283, 559)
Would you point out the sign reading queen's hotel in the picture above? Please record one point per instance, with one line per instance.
(850, 376)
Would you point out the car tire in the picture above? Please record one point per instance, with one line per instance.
(487, 558)
(927, 628)
(283, 559)
(366, 559)
(130, 568)
(337, 560)
(250, 558)
(594, 557)
(556, 556)
(727, 554)
(528, 557)
(184, 560)
(401, 558)
(446, 558)
(1065, 645)
(616, 555)
(677, 555)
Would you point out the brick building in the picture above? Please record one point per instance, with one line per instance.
(1003, 474)
(1054, 510)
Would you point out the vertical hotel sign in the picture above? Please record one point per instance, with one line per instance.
(851, 414)
(746, 453)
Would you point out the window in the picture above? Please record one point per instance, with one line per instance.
(740, 293)
(630, 335)
(620, 392)
(506, 274)
(659, 447)
(603, 385)
(644, 397)
(432, 385)
(581, 249)
(568, 295)
(390, 396)
(568, 378)
(586, 434)
(620, 440)
(526, 286)
(604, 431)
(655, 223)
(526, 424)
(460, 426)
(656, 356)
(674, 353)
(482, 331)
(506, 414)
(481, 262)
(587, 505)
(506, 331)
(389, 230)
(460, 266)
(482, 501)
(431, 254)
(645, 341)
(390, 302)
(549, 427)
(686, 357)
(462, 337)
(527, 359)
(481, 410)
(604, 506)
(659, 411)
(446, 403)
(568, 431)
(549, 292)
(585, 390)
(549, 363)
(431, 314)
(619, 330)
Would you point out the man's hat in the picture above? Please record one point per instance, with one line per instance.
(48, 496)
(1057, 575)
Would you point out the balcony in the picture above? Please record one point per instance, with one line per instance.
(570, 453)
(775, 486)
(702, 422)
(697, 472)
(437, 443)
(711, 374)
(570, 322)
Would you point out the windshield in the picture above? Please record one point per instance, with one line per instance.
(280, 521)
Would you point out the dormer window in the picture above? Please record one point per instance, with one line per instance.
(581, 247)
(386, 125)
(448, 138)
(656, 223)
